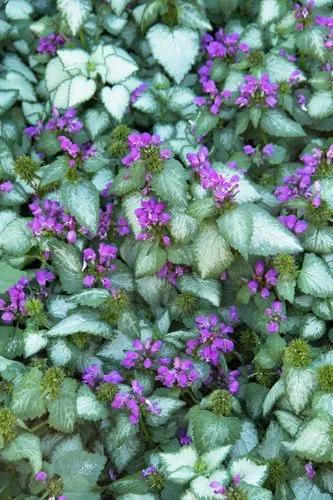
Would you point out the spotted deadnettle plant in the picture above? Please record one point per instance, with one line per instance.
(166, 277)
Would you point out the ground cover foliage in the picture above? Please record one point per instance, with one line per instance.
(166, 240)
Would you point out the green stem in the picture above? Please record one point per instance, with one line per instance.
(38, 426)
(145, 431)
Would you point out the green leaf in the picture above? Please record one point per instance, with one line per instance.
(15, 236)
(54, 172)
(75, 12)
(175, 49)
(112, 63)
(183, 227)
(315, 277)
(211, 431)
(168, 407)
(269, 236)
(280, 68)
(150, 259)
(278, 124)
(314, 441)
(312, 328)
(79, 463)
(205, 289)
(83, 321)
(289, 422)
(236, 227)
(170, 184)
(311, 43)
(81, 199)
(88, 406)
(305, 489)
(27, 446)
(28, 401)
(8, 276)
(249, 472)
(33, 343)
(92, 297)
(62, 410)
(285, 288)
(212, 252)
(275, 393)
(115, 349)
(67, 261)
(320, 104)
(7, 99)
(247, 441)
(96, 121)
(116, 100)
(205, 122)
(67, 90)
(299, 385)
(128, 180)
(269, 10)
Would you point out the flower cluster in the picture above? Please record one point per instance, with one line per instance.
(263, 280)
(49, 44)
(97, 268)
(24, 298)
(49, 218)
(221, 46)
(153, 219)
(135, 403)
(293, 223)
(258, 91)
(302, 14)
(171, 272)
(143, 354)
(275, 316)
(223, 189)
(212, 340)
(66, 122)
(146, 148)
(177, 372)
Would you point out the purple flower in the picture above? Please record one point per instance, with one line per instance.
(258, 92)
(294, 224)
(144, 354)
(263, 280)
(212, 339)
(91, 375)
(171, 272)
(89, 281)
(68, 146)
(183, 437)
(268, 150)
(217, 488)
(49, 44)
(133, 402)
(34, 131)
(8, 317)
(249, 150)
(138, 91)
(122, 226)
(41, 476)
(149, 471)
(44, 276)
(151, 215)
(113, 377)
(310, 471)
(181, 373)
(143, 146)
(6, 187)
(275, 316)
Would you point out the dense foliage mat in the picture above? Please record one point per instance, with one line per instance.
(166, 249)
